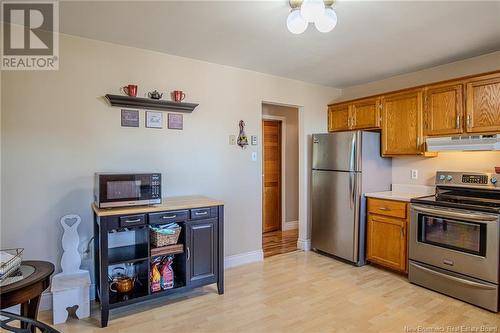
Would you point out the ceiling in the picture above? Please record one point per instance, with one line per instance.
(373, 39)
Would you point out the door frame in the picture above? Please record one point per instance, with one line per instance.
(283, 165)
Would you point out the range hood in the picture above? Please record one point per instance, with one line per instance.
(464, 143)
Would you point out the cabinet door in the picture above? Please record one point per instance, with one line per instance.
(444, 110)
(387, 241)
(483, 105)
(402, 124)
(201, 247)
(339, 118)
(366, 113)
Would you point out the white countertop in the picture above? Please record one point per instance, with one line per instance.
(403, 192)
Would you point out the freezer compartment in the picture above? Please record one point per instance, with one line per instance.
(474, 291)
(337, 151)
(335, 213)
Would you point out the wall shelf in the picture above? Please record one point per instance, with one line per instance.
(149, 104)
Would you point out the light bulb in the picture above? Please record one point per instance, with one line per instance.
(295, 22)
(327, 21)
(312, 10)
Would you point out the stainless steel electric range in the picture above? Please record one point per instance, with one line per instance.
(454, 238)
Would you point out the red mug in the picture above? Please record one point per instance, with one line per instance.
(130, 90)
(179, 95)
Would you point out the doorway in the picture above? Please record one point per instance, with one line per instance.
(279, 179)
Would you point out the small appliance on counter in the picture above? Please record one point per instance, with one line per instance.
(454, 238)
(345, 165)
(127, 189)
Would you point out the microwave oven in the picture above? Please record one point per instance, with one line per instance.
(127, 189)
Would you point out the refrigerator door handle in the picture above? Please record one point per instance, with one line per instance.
(352, 158)
(351, 189)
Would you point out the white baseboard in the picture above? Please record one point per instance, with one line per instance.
(304, 244)
(243, 258)
(290, 225)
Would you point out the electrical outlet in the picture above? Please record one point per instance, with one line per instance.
(232, 140)
(414, 174)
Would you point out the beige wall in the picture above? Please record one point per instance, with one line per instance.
(485, 63)
(457, 161)
(57, 130)
(291, 164)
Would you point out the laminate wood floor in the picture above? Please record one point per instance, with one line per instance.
(298, 292)
(279, 242)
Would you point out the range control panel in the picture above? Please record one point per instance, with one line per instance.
(468, 179)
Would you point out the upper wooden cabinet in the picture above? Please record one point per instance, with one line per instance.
(401, 123)
(365, 114)
(468, 105)
(483, 105)
(362, 114)
(444, 109)
(339, 118)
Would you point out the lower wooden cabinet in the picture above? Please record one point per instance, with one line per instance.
(387, 234)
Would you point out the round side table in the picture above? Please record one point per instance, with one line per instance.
(27, 290)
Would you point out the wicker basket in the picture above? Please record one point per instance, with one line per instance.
(158, 239)
(9, 267)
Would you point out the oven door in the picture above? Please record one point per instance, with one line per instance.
(126, 189)
(458, 240)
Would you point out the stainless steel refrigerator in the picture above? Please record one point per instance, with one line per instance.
(344, 166)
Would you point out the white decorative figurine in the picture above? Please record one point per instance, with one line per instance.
(71, 260)
(70, 289)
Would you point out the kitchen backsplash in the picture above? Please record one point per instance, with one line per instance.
(453, 161)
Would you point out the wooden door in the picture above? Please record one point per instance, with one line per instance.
(201, 248)
(271, 210)
(483, 105)
(339, 118)
(366, 113)
(444, 107)
(402, 123)
(387, 241)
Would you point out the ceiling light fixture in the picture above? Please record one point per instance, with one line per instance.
(319, 12)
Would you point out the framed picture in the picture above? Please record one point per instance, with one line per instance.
(154, 119)
(130, 118)
(175, 121)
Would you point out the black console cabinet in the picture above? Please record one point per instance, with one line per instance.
(199, 263)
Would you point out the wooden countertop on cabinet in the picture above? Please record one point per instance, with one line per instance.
(168, 203)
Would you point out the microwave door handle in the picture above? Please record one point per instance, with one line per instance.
(453, 278)
(453, 214)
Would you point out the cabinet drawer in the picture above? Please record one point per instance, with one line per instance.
(387, 207)
(132, 220)
(203, 213)
(168, 217)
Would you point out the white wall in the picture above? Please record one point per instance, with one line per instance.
(291, 163)
(457, 161)
(57, 130)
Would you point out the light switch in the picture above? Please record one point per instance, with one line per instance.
(254, 140)
(414, 174)
(232, 140)
(254, 156)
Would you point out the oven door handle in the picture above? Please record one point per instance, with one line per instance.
(453, 278)
(452, 214)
